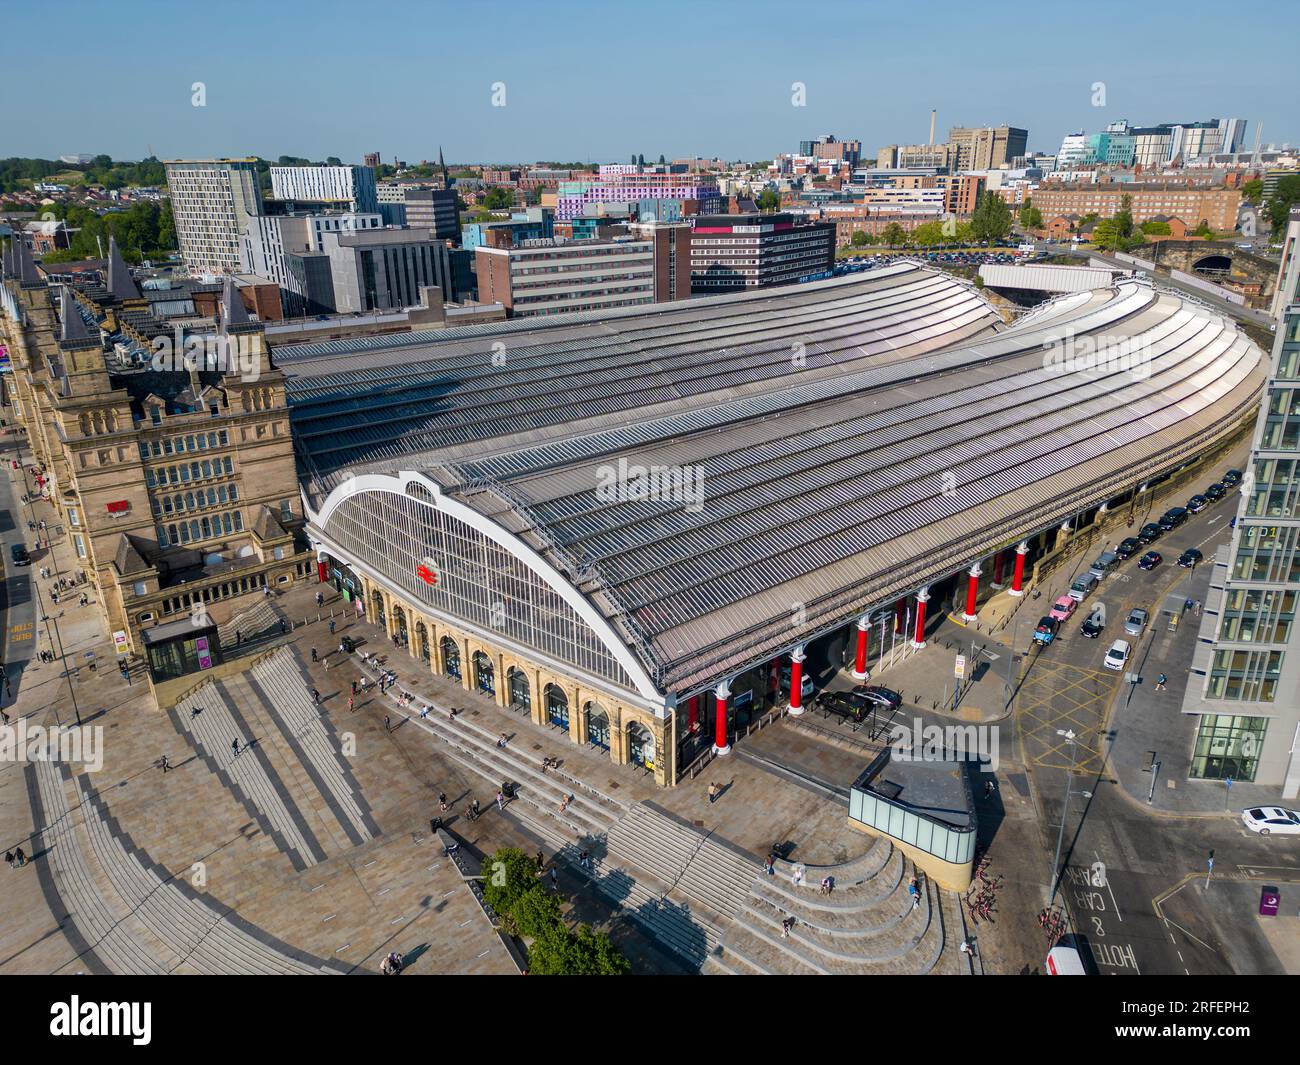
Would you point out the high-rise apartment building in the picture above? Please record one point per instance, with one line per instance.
(341, 188)
(987, 147)
(734, 252)
(1245, 678)
(211, 202)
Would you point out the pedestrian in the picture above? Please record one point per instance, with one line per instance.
(769, 866)
(1160, 682)
(914, 890)
(19, 856)
(828, 885)
(331, 626)
(966, 948)
(316, 658)
(234, 746)
(989, 789)
(501, 805)
(354, 687)
(555, 879)
(564, 803)
(165, 763)
(315, 697)
(584, 860)
(9, 857)
(1196, 610)
(1187, 605)
(442, 801)
(327, 663)
(320, 599)
(470, 813)
(86, 599)
(713, 792)
(786, 925)
(351, 702)
(4, 718)
(283, 626)
(387, 727)
(501, 743)
(474, 807)
(797, 875)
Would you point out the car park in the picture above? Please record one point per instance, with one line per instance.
(1150, 560)
(1128, 547)
(1117, 656)
(1063, 608)
(1216, 491)
(1197, 504)
(1136, 621)
(1232, 478)
(1082, 587)
(1045, 633)
(1189, 558)
(1172, 518)
(1149, 533)
(1271, 820)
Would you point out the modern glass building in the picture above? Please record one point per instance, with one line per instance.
(1246, 673)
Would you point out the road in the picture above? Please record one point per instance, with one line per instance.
(1134, 875)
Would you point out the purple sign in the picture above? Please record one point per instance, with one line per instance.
(205, 658)
(1269, 898)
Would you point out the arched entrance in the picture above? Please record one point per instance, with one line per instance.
(520, 694)
(557, 706)
(450, 657)
(377, 609)
(400, 637)
(1213, 265)
(640, 745)
(484, 674)
(597, 725)
(422, 641)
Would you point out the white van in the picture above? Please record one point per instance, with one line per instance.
(1065, 961)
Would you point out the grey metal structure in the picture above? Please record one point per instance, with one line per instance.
(825, 448)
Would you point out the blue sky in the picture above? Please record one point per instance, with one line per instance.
(604, 80)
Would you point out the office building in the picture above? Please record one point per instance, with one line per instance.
(623, 183)
(289, 250)
(386, 269)
(987, 147)
(420, 207)
(737, 252)
(548, 277)
(1216, 206)
(339, 188)
(211, 201)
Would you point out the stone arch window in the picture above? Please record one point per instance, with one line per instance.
(399, 624)
(485, 676)
(450, 657)
(521, 694)
(597, 725)
(557, 706)
(422, 641)
(377, 602)
(640, 745)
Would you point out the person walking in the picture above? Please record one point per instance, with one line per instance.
(387, 726)
(501, 743)
(331, 626)
(354, 687)
(234, 746)
(19, 857)
(315, 697)
(966, 948)
(474, 809)
(442, 801)
(351, 704)
(9, 858)
(314, 657)
(320, 599)
(914, 890)
(1160, 682)
(501, 800)
(713, 792)
(555, 879)
(165, 763)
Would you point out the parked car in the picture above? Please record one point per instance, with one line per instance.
(1136, 621)
(1045, 633)
(1150, 560)
(1082, 587)
(1128, 547)
(1189, 558)
(18, 552)
(1271, 820)
(1232, 478)
(1117, 656)
(1216, 491)
(1197, 504)
(876, 697)
(1063, 608)
(1106, 562)
(1172, 518)
(1149, 533)
(1093, 624)
(841, 704)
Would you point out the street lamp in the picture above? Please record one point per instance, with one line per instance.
(1069, 736)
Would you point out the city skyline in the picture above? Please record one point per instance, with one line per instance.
(742, 71)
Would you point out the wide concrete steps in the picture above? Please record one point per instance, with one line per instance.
(689, 862)
(213, 726)
(206, 937)
(257, 620)
(309, 733)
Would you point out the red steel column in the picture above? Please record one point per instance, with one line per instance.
(720, 745)
(922, 597)
(860, 661)
(900, 614)
(693, 714)
(999, 566)
(796, 680)
(972, 592)
(1018, 576)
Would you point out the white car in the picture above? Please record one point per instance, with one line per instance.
(1270, 820)
(1117, 656)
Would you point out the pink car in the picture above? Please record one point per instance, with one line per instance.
(1062, 608)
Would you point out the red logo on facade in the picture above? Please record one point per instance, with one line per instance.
(427, 573)
(121, 506)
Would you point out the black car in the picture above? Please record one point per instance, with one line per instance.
(1091, 627)
(18, 552)
(1173, 518)
(1216, 491)
(1150, 560)
(1232, 478)
(1128, 547)
(1197, 504)
(878, 698)
(1189, 558)
(842, 704)
(1149, 533)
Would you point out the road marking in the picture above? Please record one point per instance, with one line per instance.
(1113, 903)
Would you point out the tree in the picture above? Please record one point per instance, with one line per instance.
(859, 238)
(559, 952)
(640, 160)
(991, 219)
(928, 235)
(508, 876)
(1153, 228)
(535, 912)
(1253, 191)
(662, 160)
(1286, 194)
(893, 235)
(768, 200)
(1030, 216)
